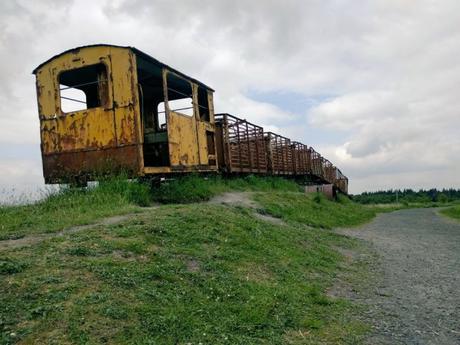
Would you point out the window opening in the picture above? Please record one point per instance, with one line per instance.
(203, 104)
(83, 88)
(180, 95)
(161, 116)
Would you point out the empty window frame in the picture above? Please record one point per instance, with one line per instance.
(203, 104)
(180, 95)
(161, 118)
(83, 88)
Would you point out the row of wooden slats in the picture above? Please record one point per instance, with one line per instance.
(244, 147)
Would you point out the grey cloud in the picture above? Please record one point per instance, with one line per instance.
(393, 66)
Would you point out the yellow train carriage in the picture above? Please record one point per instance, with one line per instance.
(104, 108)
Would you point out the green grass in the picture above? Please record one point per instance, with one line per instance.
(183, 273)
(453, 212)
(194, 188)
(315, 210)
(179, 275)
(117, 195)
(72, 206)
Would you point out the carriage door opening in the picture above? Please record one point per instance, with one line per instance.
(151, 102)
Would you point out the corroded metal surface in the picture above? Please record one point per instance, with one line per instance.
(61, 167)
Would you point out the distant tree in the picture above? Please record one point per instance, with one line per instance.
(408, 196)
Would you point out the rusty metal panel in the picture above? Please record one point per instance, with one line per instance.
(67, 166)
(242, 146)
(124, 81)
(182, 138)
(207, 144)
(279, 148)
(126, 103)
(89, 129)
(46, 99)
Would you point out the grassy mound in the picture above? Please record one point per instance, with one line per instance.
(183, 273)
(194, 188)
(315, 210)
(175, 275)
(73, 206)
(117, 195)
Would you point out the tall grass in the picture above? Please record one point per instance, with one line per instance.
(453, 212)
(315, 210)
(193, 188)
(117, 195)
(73, 206)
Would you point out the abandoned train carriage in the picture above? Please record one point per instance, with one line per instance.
(104, 108)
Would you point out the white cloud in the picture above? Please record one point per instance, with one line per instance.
(390, 67)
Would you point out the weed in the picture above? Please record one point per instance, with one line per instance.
(453, 212)
(193, 188)
(315, 210)
(11, 266)
(74, 206)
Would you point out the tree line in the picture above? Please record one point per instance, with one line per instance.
(408, 196)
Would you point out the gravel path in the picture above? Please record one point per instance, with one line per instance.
(417, 297)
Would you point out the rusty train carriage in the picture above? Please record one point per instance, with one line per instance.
(127, 117)
(240, 145)
(104, 108)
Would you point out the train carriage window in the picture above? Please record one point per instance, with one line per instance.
(161, 116)
(203, 104)
(180, 95)
(83, 88)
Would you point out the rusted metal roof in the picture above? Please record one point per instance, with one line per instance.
(136, 51)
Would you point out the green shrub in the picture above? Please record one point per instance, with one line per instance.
(9, 266)
(185, 189)
(195, 188)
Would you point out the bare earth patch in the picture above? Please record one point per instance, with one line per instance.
(34, 239)
(235, 199)
(244, 199)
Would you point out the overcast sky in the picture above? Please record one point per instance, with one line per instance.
(372, 85)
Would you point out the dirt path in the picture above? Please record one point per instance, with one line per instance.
(244, 199)
(417, 298)
(34, 239)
